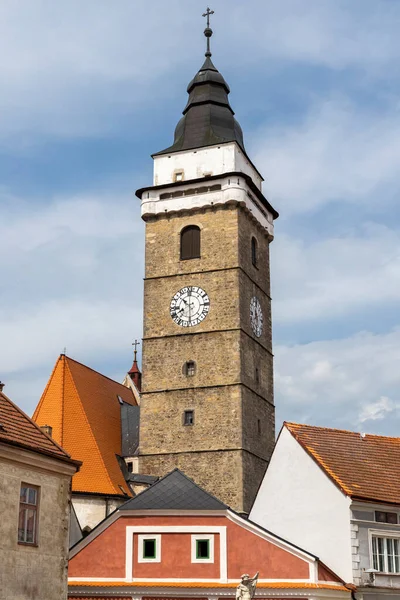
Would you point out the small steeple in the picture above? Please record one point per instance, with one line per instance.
(208, 118)
(135, 373)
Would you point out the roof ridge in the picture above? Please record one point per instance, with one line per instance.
(94, 371)
(290, 424)
(30, 420)
(89, 427)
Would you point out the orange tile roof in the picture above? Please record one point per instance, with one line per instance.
(18, 429)
(202, 584)
(83, 409)
(362, 466)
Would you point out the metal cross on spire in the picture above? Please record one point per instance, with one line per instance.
(208, 31)
(136, 344)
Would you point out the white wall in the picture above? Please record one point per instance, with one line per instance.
(212, 160)
(90, 510)
(299, 502)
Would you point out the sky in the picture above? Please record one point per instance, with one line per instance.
(88, 90)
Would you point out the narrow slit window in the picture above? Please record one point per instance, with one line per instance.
(254, 251)
(190, 242)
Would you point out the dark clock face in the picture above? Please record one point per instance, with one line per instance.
(189, 306)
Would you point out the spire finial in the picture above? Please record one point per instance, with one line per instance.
(208, 31)
(136, 344)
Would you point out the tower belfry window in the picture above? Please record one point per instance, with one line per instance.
(190, 242)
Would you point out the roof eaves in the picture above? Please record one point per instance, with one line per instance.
(42, 433)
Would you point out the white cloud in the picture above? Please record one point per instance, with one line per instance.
(71, 69)
(333, 33)
(341, 383)
(378, 410)
(335, 276)
(340, 151)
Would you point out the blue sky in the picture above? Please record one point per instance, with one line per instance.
(89, 90)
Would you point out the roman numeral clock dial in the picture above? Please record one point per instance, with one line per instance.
(189, 306)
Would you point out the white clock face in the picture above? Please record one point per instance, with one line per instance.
(189, 306)
(256, 316)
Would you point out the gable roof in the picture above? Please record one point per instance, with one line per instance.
(83, 408)
(18, 429)
(365, 467)
(174, 491)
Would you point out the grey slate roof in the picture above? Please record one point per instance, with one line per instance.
(174, 491)
(208, 118)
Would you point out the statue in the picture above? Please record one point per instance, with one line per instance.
(247, 587)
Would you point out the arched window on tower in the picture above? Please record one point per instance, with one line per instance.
(190, 242)
(254, 251)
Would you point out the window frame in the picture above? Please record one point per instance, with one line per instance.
(193, 368)
(28, 506)
(193, 255)
(201, 537)
(385, 535)
(186, 412)
(142, 537)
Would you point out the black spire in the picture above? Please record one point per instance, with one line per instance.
(208, 118)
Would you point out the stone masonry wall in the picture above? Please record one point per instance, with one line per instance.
(27, 572)
(229, 416)
(220, 473)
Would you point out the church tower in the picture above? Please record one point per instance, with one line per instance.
(207, 389)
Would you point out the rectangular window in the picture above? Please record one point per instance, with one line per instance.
(179, 176)
(385, 554)
(202, 548)
(28, 514)
(386, 517)
(188, 417)
(149, 548)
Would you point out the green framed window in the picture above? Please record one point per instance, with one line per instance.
(202, 549)
(149, 548)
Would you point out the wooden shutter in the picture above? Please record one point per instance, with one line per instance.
(190, 242)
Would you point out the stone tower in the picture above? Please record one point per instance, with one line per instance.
(207, 390)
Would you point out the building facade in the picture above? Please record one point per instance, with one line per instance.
(35, 493)
(338, 494)
(207, 394)
(177, 541)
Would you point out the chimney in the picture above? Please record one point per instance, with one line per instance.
(1, 386)
(47, 429)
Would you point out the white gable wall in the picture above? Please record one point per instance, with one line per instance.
(299, 502)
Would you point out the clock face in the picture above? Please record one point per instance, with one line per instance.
(256, 316)
(189, 306)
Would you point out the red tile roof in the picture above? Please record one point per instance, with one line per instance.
(364, 466)
(83, 408)
(18, 429)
